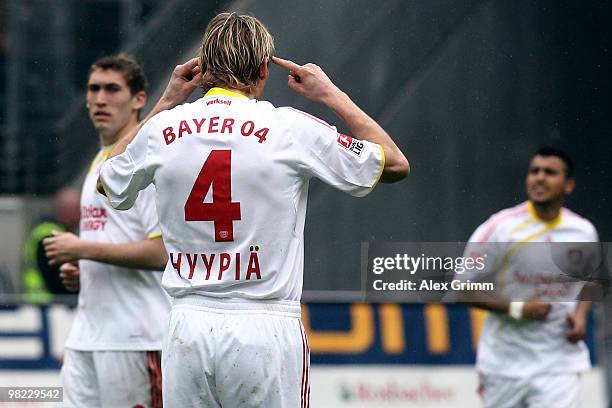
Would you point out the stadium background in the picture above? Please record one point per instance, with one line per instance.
(468, 89)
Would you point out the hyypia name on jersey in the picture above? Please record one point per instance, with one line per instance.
(216, 264)
(215, 125)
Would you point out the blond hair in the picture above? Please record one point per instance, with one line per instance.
(233, 48)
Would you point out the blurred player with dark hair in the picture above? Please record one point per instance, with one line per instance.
(531, 352)
(232, 174)
(112, 356)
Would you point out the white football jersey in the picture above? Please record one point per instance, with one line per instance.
(523, 271)
(231, 175)
(119, 308)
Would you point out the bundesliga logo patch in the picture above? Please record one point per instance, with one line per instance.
(353, 146)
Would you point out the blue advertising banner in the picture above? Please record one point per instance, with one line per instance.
(32, 337)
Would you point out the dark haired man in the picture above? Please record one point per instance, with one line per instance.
(112, 356)
(531, 352)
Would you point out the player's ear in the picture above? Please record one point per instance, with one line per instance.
(264, 69)
(570, 184)
(140, 99)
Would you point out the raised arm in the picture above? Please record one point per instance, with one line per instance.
(312, 83)
(184, 80)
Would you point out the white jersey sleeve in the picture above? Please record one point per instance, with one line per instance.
(145, 206)
(483, 245)
(123, 176)
(348, 164)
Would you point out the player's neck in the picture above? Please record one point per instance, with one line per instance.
(547, 211)
(253, 92)
(108, 139)
(245, 92)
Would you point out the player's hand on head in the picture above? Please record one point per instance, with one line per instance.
(536, 310)
(62, 247)
(577, 327)
(184, 80)
(308, 80)
(70, 276)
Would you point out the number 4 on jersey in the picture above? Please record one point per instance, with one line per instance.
(216, 173)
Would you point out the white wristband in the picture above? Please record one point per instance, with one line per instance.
(515, 310)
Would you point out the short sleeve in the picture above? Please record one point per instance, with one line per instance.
(147, 212)
(348, 164)
(123, 176)
(592, 235)
(484, 250)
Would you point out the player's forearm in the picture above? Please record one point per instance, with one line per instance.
(148, 254)
(364, 127)
(184, 80)
(123, 143)
(583, 307)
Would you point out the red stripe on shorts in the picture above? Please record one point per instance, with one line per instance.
(307, 372)
(155, 378)
(305, 397)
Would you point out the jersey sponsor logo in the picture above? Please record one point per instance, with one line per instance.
(93, 218)
(352, 145)
(219, 101)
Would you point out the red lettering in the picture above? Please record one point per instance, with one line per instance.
(192, 264)
(247, 131)
(253, 266)
(169, 135)
(261, 134)
(237, 275)
(176, 264)
(198, 124)
(208, 263)
(213, 124)
(227, 124)
(184, 127)
(93, 225)
(224, 264)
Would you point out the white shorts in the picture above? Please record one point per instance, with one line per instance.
(559, 390)
(235, 354)
(111, 379)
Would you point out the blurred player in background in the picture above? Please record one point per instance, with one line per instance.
(112, 356)
(41, 281)
(231, 173)
(531, 353)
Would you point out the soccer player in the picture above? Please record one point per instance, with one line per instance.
(531, 352)
(231, 173)
(112, 356)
